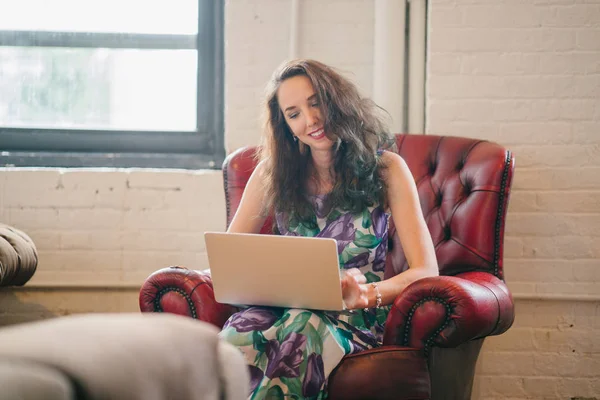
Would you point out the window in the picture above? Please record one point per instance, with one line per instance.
(112, 83)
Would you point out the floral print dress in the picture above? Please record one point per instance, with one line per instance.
(291, 352)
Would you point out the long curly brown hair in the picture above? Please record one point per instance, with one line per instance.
(354, 123)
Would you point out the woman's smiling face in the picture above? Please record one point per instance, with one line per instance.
(302, 111)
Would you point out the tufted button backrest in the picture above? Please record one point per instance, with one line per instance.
(463, 185)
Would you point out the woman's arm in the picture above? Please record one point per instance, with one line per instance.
(412, 231)
(250, 216)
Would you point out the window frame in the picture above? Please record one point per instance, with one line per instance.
(200, 148)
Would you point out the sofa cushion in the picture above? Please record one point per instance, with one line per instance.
(132, 356)
(29, 380)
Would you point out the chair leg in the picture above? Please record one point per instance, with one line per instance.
(452, 370)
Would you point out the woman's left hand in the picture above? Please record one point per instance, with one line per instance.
(354, 290)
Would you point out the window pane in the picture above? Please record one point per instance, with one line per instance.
(98, 88)
(128, 16)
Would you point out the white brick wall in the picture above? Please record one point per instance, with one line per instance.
(112, 228)
(527, 75)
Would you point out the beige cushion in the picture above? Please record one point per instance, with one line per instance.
(132, 356)
(27, 380)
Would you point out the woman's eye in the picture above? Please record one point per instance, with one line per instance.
(315, 104)
(292, 116)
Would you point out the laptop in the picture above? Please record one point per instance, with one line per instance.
(271, 270)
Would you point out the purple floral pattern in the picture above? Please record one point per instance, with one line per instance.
(285, 348)
(256, 375)
(253, 319)
(380, 222)
(285, 357)
(358, 261)
(380, 254)
(342, 230)
(314, 377)
(320, 205)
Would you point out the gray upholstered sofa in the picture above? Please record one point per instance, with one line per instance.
(119, 356)
(18, 256)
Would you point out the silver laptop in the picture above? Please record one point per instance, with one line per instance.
(270, 270)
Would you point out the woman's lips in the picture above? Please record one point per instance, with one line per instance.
(318, 134)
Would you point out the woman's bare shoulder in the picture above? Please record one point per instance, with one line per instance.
(388, 156)
(394, 165)
(261, 169)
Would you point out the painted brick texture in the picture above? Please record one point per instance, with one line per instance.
(527, 75)
(100, 228)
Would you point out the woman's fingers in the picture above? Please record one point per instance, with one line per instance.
(353, 289)
(358, 276)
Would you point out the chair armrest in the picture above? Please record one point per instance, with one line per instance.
(181, 291)
(446, 311)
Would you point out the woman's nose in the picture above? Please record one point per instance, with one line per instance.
(312, 118)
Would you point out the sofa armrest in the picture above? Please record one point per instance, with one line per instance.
(181, 291)
(18, 256)
(447, 311)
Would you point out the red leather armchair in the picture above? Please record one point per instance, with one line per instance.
(436, 326)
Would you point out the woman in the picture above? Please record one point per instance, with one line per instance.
(323, 173)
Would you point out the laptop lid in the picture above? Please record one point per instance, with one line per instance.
(271, 270)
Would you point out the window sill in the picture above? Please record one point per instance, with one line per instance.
(109, 160)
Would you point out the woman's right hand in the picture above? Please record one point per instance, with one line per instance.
(354, 290)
